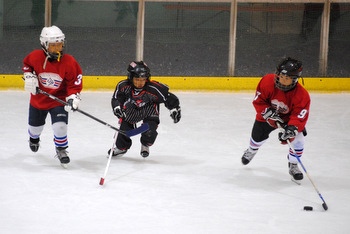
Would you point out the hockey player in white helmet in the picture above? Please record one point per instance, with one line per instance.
(52, 42)
(58, 74)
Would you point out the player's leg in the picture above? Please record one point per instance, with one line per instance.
(59, 120)
(149, 137)
(123, 142)
(260, 133)
(36, 122)
(298, 145)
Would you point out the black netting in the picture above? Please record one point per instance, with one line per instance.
(180, 39)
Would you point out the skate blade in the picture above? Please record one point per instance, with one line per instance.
(64, 165)
(295, 181)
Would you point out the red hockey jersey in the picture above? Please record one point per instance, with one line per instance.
(293, 106)
(59, 78)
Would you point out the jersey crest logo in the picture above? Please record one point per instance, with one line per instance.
(280, 106)
(50, 80)
(139, 103)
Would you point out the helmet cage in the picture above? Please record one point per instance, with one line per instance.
(52, 35)
(286, 87)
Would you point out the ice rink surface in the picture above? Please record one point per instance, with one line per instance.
(192, 182)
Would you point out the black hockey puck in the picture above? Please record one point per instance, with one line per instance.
(308, 208)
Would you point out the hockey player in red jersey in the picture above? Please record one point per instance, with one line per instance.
(280, 98)
(58, 74)
(137, 99)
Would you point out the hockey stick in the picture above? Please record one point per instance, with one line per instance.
(324, 205)
(143, 128)
(102, 180)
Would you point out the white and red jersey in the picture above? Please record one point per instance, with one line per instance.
(59, 78)
(293, 106)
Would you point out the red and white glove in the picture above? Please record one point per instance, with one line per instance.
(31, 82)
(271, 116)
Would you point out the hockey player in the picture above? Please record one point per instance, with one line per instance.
(137, 99)
(280, 98)
(58, 74)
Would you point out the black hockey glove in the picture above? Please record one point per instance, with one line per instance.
(118, 112)
(175, 114)
(271, 116)
(290, 131)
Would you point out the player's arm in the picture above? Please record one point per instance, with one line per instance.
(298, 118)
(31, 82)
(261, 100)
(118, 100)
(173, 104)
(300, 113)
(74, 87)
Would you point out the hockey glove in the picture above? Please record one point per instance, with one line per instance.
(271, 116)
(31, 82)
(73, 102)
(290, 131)
(175, 114)
(118, 111)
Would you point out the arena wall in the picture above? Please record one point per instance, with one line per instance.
(213, 84)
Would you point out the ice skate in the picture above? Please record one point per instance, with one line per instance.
(295, 172)
(61, 154)
(144, 151)
(34, 144)
(248, 156)
(117, 152)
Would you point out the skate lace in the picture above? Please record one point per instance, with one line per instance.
(144, 148)
(118, 151)
(293, 169)
(248, 154)
(61, 154)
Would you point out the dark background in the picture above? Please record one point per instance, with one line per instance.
(185, 40)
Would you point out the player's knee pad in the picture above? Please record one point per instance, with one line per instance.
(149, 137)
(298, 146)
(299, 141)
(59, 129)
(35, 131)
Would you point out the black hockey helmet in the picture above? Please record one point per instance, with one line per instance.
(138, 69)
(288, 67)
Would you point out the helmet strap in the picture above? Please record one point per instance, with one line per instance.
(59, 56)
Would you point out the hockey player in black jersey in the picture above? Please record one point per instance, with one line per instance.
(137, 99)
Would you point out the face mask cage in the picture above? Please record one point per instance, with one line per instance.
(47, 40)
(286, 87)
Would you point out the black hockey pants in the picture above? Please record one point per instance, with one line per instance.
(262, 130)
(147, 138)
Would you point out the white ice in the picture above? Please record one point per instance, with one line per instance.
(192, 182)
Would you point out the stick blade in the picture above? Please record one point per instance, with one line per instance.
(325, 207)
(102, 180)
(143, 128)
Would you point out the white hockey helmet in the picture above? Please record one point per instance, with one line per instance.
(52, 35)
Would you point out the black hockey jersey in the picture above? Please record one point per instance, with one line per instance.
(141, 104)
